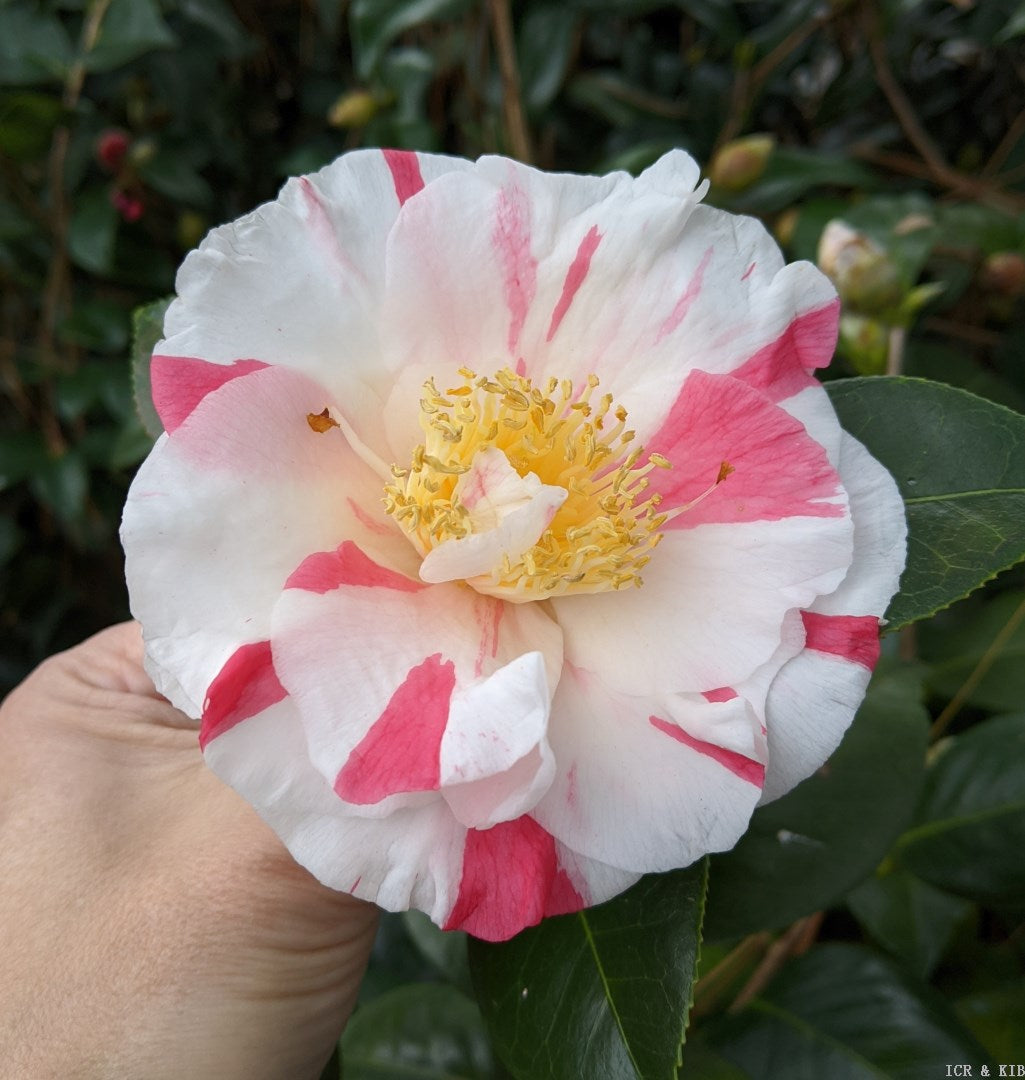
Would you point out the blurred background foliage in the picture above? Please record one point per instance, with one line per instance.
(129, 127)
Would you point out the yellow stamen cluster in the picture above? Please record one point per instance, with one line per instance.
(603, 534)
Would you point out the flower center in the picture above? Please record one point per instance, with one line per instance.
(500, 450)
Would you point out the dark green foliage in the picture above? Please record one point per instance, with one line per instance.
(129, 127)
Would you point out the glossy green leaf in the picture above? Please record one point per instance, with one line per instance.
(445, 949)
(130, 29)
(545, 43)
(908, 917)
(808, 848)
(375, 24)
(970, 831)
(602, 994)
(147, 330)
(843, 1012)
(61, 485)
(27, 121)
(959, 462)
(424, 1031)
(34, 46)
(93, 231)
(963, 637)
(997, 1019)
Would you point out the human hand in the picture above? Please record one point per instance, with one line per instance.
(151, 925)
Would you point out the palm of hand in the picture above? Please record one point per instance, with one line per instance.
(151, 925)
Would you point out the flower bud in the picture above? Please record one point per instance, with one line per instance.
(741, 162)
(354, 109)
(863, 273)
(864, 342)
(142, 153)
(191, 228)
(128, 204)
(785, 226)
(111, 147)
(1003, 272)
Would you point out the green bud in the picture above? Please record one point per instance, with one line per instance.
(353, 109)
(1003, 272)
(865, 276)
(741, 162)
(864, 343)
(190, 229)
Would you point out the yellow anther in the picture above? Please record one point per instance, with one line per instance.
(602, 534)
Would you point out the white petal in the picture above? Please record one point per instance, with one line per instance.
(411, 859)
(223, 510)
(712, 604)
(649, 783)
(379, 674)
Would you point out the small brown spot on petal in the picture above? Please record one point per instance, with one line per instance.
(321, 422)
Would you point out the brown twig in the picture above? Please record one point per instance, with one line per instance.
(748, 83)
(986, 661)
(795, 940)
(977, 335)
(512, 101)
(58, 272)
(1006, 145)
(712, 985)
(938, 169)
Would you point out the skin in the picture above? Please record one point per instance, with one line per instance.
(151, 925)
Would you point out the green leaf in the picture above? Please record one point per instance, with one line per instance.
(544, 47)
(147, 330)
(445, 949)
(910, 918)
(93, 231)
(27, 121)
(808, 848)
(130, 29)
(375, 24)
(34, 46)
(959, 462)
(424, 1031)
(602, 994)
(997, 1019)
(791, 173)
(843, 1012)
(61, 485)
(971, 823)
(957, 646)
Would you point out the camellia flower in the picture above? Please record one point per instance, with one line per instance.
(501, 537)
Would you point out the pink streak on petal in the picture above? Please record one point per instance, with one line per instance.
(723, 693)
(323, 231)
(511, 879)
(521, 367)
(783, 367)
(179, 383)
(400, 752)
(780, 471)
(325, 571)
(511, 239)
(853, 637)
(489, 614)
(405, 173)
(571, 786)
(748, 272)
(753, 772)
(368, 522)
(575, 277)
(563, 897)
(245, 686)
(683, 305)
